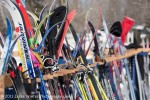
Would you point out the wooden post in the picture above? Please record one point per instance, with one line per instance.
(4, 82)
(2, 86)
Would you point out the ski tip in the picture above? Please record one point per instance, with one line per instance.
(126, 17)
(42, 12)
(7, 21)
(9, 28)
(74, 11)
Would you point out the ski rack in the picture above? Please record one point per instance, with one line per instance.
(4, 81)
(62, 72)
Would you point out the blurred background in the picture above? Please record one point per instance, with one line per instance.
(113, 10)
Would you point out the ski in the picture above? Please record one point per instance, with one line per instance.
(6, 47)
(69, 18)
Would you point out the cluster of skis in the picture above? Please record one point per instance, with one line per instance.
(43, 48)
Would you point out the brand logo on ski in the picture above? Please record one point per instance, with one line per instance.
(26, 51)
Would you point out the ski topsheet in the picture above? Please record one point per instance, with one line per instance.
(29, 34)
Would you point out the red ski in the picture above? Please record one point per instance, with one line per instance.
(69, 18)
(28, 26)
